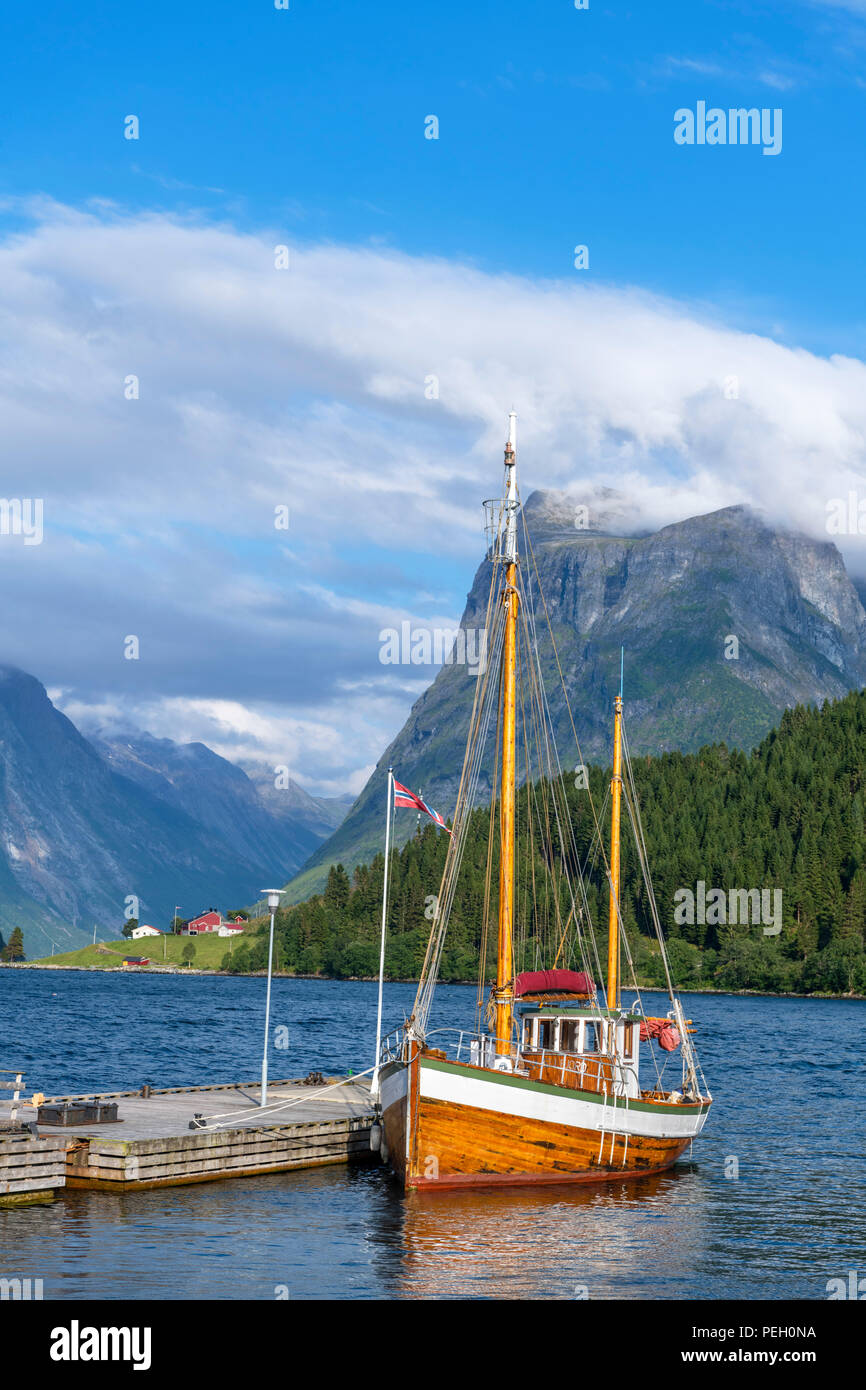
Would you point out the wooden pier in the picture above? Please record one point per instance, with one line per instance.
(202, 1134)
(31, 1169)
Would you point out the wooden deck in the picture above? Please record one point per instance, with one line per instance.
(152, 1144)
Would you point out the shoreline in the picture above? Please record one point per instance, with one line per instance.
(373, 979)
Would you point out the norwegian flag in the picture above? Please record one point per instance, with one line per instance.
(403, 797)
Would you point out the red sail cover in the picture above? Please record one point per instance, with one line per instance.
(661, 1028)
(553, 982)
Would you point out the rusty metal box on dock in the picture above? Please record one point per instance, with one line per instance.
(79, 1113)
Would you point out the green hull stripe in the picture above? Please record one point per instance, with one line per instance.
(502, 1078)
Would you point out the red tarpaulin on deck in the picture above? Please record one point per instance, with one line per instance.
(553, 982)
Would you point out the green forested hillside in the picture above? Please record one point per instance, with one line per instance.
(787, 816)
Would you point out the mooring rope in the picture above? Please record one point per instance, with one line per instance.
(281, 1105)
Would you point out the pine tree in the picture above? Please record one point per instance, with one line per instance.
(14, 950)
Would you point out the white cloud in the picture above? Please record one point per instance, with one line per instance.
(307, 387)
(328, 751)
(779, 80)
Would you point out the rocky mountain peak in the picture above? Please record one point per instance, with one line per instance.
(726, 620)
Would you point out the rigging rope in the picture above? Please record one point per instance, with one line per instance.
(547, 805)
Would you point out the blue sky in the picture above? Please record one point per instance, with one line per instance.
(409, 256)
(555, 128)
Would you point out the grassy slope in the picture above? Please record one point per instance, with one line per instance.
(209, 952)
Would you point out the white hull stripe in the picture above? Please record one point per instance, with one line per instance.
(566, 1108)
(393, 1086)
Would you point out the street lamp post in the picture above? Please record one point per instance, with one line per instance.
(273, 897)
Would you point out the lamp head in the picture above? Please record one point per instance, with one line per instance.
(273, 896)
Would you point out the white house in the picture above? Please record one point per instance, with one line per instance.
(144, 930)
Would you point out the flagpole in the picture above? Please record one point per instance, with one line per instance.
(374, 1085)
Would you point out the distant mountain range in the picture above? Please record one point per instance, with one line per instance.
(87, 823)
(673, 599)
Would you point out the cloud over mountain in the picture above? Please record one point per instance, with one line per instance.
(365, 390)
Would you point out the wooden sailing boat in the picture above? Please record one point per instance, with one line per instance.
(550, 1090)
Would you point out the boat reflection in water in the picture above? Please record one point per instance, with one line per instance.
(631, 1239)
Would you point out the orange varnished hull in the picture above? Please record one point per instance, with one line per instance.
(458, 1146)
(453, 1145)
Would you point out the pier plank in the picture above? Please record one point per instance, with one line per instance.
(30, 1166)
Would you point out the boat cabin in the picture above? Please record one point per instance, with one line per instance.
(568, 1044)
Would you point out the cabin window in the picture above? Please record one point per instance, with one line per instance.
(545, 1033)
(591, 1036)
(568, 1034)
(529, 1026)
(627, 1039)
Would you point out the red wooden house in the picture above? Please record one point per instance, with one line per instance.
(212, 922)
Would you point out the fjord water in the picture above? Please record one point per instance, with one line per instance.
(786, 1074)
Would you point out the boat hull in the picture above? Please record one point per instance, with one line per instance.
(447, 1125)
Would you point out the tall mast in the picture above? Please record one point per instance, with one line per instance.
(504, 995)
(613, 910)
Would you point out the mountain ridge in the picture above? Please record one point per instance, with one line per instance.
(86, 826)
(673, 598)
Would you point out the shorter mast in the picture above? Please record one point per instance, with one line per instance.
(374, 1085)
(613, 910)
